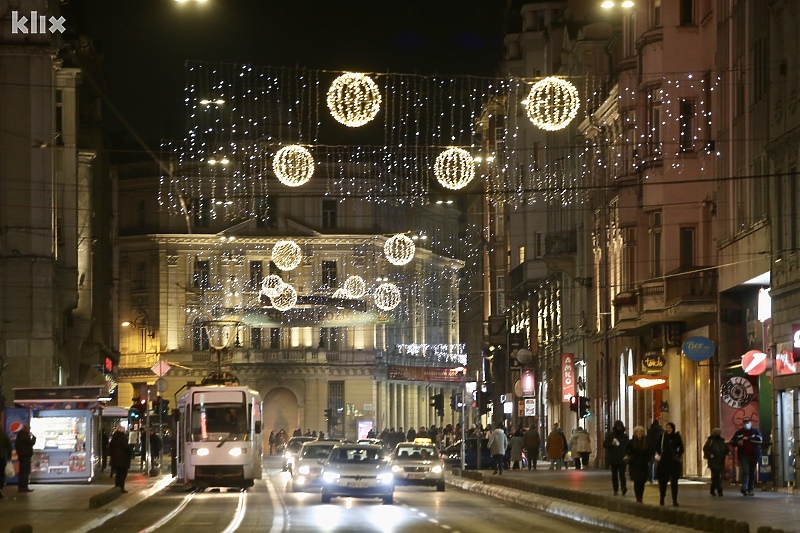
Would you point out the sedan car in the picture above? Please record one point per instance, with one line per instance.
(291, 449)
(307, 465)
(416, 463)
(359, 471)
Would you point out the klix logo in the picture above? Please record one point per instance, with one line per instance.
(38, 23)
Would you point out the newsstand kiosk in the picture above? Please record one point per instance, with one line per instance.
(66, 424)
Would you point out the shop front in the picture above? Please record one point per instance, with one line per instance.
(787, 400)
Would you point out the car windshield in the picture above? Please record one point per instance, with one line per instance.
(294, 445)
(356, 455)
(415, 452)
(316, 452)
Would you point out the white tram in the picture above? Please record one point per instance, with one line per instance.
(218, 434)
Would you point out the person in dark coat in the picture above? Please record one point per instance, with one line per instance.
(654, 434)
(532, 442)
(121, 454)
(714, 451)
(615, 444)
(638, 455)
(670, 463)
(5, 458)
(156, 445)
(747, 440)
(24, 446)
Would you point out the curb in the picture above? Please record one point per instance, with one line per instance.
(107, 496)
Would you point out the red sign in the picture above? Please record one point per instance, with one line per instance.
(648, 382)
(528, 383)
(567, 376)
(784, 363)
(754, 362)
(796, 341)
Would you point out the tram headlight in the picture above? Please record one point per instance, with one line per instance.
(200, 451)
(236, 452)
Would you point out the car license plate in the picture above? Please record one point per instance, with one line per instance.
(416, 476)
(357, 484)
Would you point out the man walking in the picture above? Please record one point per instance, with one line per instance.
(498, 442)
(747, 443)
(532, 442)
(121, 455)
(24, 446)
(654, 435)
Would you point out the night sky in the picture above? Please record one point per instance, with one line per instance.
(145, 43)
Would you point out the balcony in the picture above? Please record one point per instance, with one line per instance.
(683, 295)
(526, 278)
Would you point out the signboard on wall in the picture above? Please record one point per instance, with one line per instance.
(567, 376)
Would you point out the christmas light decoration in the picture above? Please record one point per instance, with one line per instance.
(552, 103)
(387, 296)
(293, 165)
(286, 255)
(355, 287)
(454, 168)
(354, 99)
(341, 293)
(399, 249)
(285, 297)
(271, 284)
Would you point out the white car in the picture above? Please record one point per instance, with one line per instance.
(418, 463)
(358, 471)
(307, 465)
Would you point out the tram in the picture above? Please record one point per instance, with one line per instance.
(218, 435)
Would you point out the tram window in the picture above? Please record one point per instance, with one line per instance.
(216, 418)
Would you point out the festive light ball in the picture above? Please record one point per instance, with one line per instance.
(552, 103)
(355, 287)
(354, 99)
(341, 293)
(271, 284)
(387, 296)
(293, 165)
(454, 168)
(285, 298)
(399, 249)
(286, 255)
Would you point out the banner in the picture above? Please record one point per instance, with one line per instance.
(567, 376)
(422, 373)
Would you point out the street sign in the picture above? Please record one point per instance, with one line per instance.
(160, 368)
(162, 385)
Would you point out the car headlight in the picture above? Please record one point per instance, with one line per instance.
(200, 451)
(437, 469)
(397, 468)
(385, 477)
(305, 470)
(330, 477)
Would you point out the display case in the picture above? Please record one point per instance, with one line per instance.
(63, 445)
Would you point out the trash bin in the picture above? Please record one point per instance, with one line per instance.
(765, 468)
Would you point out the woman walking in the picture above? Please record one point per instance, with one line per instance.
(670, 462)
(517, 444)
(637, 456)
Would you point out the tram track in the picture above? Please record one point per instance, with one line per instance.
(172, 520)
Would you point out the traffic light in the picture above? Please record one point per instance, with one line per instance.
(573, 403)
(484, 398)
(437, 402)
(138, 408)
(584, 407)
(328, 414)
(161, 405)
(455, 402)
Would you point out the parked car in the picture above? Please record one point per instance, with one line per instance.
(358, 471)
(452, 455)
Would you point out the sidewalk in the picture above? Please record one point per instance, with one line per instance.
(778, 510)
(65, 506)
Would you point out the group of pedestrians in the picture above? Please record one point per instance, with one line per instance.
(657, 455)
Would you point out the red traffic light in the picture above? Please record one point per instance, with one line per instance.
(573, 403)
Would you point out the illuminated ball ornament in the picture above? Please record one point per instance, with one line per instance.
(355, 287)
(271, 284)
(286, 255)
(354, 99)
(387, 296)
(293, 165)
(285, 298)
(454, 168)
(399, 250)
(552, 103)
(341, 293)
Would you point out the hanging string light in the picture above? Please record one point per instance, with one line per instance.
(285, 298)
(387, 296)
(354, 99)
(552, 103)
(399, 249)
(454, 168)
(286, 255)
(293, 165)
(355, 287)
(271, 284)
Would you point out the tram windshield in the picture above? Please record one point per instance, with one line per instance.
(219, 421)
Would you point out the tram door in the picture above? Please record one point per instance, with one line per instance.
(789, 435)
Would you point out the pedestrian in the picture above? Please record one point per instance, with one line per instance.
(517, 444)
(271, 441)
(637, 456)
(654, 434)
(670, 463)
(103, 449)
(24, 446)
(5, 458)
(498, 442)
(156, 445)
(532, 444)
(714, 451)
(121, 454)
(747, 443)
(580, 444)
(615, 444)
(555, 447)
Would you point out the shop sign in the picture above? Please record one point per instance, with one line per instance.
(796, 341)
(653, 363)
(567, 376)
(785, 364)
(698, 348)
(528, 383)
(648, 382)
(530, 407)
(754, 362)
